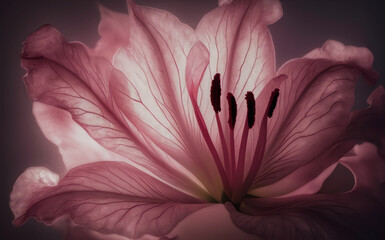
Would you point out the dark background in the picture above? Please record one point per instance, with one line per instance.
(306, 24)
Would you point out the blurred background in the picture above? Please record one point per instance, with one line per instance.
(305, 25)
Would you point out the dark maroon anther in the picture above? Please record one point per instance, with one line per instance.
(273, 102)
(232, 110)
(250, 100)
(215, 93)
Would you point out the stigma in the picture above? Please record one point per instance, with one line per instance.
(250, 102)
(232, 110)
(273, 102)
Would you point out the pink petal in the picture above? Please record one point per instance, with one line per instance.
(27, 185)
(112, 198)
(366, 165)
(354, 215)
(113, 28)
(84, 233)
(368, 124)
(74, 143)
(64, 75)
(304, 176)
(312, 115)
(197, 62)
(223, 2)
(337, 51)
(357, 214)
(311, 187)
(364, 125)
(241, 50)
(77, 232)
(209, 223)
(155, 98)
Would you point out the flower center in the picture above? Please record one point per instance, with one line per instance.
(232, 169)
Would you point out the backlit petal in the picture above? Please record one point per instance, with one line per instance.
(212, 222)
(27, 185)
(64, 75)
(356, 214)
(223, 2)
(364, 125)
(366, 165)
(241, 50)
(368, 124)
(312, 114)
(71, 139)
(112, 197)
(155, 98)
(113, 29)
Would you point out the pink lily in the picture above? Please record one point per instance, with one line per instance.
(148, 138)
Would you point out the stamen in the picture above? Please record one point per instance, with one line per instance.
(215, 93)
(232, 119)
(223, 142)
(273, 102)
(215, 97)
(250, 100)
(261, 144)
(210, 144)
(250, 120)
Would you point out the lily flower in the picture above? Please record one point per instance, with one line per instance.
(160, 120)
